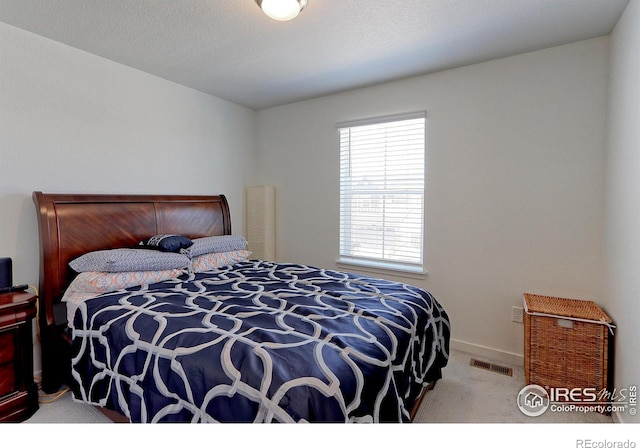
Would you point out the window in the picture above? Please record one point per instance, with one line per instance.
(382, 165)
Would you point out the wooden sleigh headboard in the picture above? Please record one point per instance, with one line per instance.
(70, 225)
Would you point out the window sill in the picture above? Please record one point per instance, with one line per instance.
(381, 268)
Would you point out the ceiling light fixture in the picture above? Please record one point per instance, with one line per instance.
(282, 10)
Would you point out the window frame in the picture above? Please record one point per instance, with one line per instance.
(384, 266)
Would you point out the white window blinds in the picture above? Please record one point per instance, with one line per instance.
(382, 166)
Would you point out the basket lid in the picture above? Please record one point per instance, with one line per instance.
(570, 308)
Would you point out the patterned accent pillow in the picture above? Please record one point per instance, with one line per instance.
(100, 282)
(215, 260)
(88, 285)
(212, 244)
(166, 243)
(129, 260)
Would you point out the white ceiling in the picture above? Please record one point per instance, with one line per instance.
(230, 49)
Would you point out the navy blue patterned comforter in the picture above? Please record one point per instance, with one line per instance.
(260, 342)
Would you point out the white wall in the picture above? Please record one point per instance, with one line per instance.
(74, 122)
(514, 189)
(622, 225)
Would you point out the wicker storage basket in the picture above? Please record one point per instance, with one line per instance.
(567, 343)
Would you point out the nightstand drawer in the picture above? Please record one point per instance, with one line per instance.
(7, 346)
(7, 379)
(18, 390)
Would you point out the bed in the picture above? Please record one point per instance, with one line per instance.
(220, 336)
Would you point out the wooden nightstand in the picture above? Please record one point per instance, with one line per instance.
(18, 390)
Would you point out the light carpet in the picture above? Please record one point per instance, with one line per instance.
(467, 394)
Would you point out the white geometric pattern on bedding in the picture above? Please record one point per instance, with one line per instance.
(260, 342)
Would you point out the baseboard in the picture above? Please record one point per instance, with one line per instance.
(617, 418)
(513, 359)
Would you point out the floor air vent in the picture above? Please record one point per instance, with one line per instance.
(508, 371)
